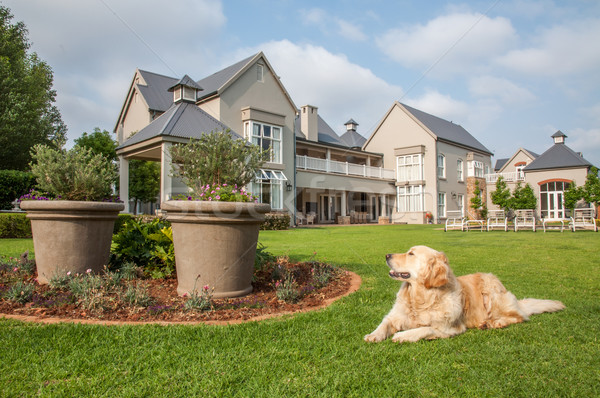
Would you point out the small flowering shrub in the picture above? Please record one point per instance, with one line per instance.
(287, 289)
(76, 174)
(21, 292)
(200, 301)
(219, 192)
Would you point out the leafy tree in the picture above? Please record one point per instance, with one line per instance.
(477, 202)
(501, 196)
(100, 142)
(28, 115)
(572, 195)
(217, 158)
(523, 198)
(144, 181)
(592, 187)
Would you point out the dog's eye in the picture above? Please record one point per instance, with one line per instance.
(410, 253)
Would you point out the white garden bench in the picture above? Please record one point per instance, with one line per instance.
(454, 220)
(525, 219)
(497, 219)
(583, 219)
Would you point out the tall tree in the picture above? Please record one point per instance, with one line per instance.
(592, 187)
(100, 142)
(28, 115)
(523, 198)
(501, 196)
(144, 181)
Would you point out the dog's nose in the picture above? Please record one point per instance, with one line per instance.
(387, 256)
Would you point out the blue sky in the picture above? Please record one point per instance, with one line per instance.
(511, 72)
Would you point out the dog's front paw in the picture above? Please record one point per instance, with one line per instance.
(374, 337)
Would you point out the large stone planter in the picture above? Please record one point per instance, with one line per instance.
(70, 235)
(215, 244)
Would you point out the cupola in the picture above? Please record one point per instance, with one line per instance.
(351, 125)
(186, 90)
(559, 137)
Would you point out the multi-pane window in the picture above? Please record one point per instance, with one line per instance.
(460, 198)
(478, 168)
(441, 204)
(441, 166)
(410, 167)
(410, 198)
(268, 187)
(459, 170)
(552, 199)
(266, 136)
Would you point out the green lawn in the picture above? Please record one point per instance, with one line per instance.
(322, 353)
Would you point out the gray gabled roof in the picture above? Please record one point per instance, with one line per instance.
(447, 131)
(182, 120)
(500, 163)
(326, 134)
(353, 139)
(558, 156)
(156, 91)
(187, 82)
(212, 83)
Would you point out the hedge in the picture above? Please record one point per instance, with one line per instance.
(14, 226)
(276, 221)
(13, 185)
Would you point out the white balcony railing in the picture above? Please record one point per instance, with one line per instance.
(335, 167)
(508, 177)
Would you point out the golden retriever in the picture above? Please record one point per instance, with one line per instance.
(432, 303)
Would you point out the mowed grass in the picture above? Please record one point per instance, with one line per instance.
(322, 353)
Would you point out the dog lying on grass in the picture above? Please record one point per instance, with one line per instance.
(432, 303)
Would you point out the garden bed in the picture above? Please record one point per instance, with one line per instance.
(112, 298)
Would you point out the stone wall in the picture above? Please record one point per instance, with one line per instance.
(472, 214)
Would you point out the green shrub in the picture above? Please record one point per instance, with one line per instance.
(76, 174)
(276, 221)
(14, 226)
(14, 184)
(147, 244)
(120, 222)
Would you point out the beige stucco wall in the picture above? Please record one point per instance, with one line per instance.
(268, 96)
(519, 157)
(534, 178)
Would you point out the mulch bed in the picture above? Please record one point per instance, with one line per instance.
(167, 307)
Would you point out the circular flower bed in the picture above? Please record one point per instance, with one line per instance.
(280, 287)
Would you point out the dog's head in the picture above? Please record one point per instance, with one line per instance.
(421, 265)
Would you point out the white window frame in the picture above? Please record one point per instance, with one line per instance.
(260, 73)
(409, 167)
(409, 198)
(273, 180)
(441, 165)
(460, 167)
(256, 133)
(478, 170)
(441, 205)
(189, 93)
(460, 198)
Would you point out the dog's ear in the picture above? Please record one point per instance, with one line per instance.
(438, 271)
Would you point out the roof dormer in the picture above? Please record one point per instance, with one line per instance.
(186, 90)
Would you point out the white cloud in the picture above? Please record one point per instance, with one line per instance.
(332, 25)
(558, 51)
(499, 88)
(441, 105)
(340, 89)
(586, 141)
(456, 42)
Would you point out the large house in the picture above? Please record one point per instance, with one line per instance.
(549, 174)
(413, 163)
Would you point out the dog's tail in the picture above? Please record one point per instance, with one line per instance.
(531, 306)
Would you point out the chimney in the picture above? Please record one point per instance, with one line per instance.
(308, 122)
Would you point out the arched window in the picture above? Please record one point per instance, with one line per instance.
(552, 194)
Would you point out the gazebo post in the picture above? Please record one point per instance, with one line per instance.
(166, 183)
(124, 182)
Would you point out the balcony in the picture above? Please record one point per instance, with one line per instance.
(343, 168)
(508, 177)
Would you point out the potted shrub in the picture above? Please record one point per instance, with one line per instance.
(216, 225)
(72, 221)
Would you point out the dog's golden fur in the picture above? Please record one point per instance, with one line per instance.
(433, 303)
